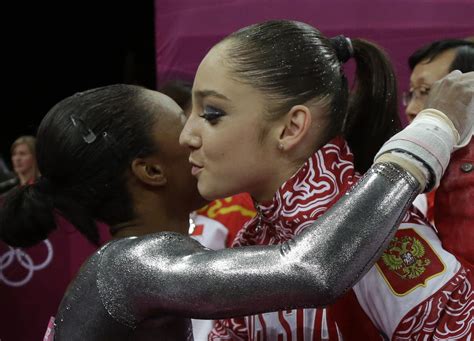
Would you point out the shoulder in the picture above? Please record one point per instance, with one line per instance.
(132, 249)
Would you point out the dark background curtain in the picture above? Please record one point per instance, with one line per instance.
(51, 50)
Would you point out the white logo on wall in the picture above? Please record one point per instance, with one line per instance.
(25, 260)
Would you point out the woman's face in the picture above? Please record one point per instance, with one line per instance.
(22, 159)
(224, 133)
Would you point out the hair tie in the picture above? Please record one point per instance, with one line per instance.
(343, 47)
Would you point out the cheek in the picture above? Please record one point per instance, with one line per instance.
(235, 141)
(226, 158)
(240, 166)
(179, 166)
(186, 182)
(29, 161)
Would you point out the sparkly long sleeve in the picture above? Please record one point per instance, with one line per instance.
(151, 278)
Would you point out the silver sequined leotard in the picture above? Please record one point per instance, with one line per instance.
(146, 288)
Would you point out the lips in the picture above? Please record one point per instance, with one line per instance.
(196, 168)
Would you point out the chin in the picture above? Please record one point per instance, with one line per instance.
(207, 193)
(210, 195)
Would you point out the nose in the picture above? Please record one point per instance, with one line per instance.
(413, 108)
(189, 136)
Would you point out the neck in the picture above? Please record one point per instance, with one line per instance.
(25, 177)
(288, 164)
(280, 175)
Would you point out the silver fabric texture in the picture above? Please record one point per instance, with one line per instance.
(149, 286)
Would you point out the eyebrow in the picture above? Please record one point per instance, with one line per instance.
(421, 80)
(207, 93)
(423, 85)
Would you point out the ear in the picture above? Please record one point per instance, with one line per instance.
(296, 125)
(150, 173)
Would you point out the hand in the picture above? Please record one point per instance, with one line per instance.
(454, 96)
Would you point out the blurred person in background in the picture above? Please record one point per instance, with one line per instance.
(23, 158)
(33, 278)
(23, 152)
(451, 208)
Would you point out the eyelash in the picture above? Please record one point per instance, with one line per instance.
(211, 114)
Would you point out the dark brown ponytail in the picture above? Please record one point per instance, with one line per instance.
(372, 116)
